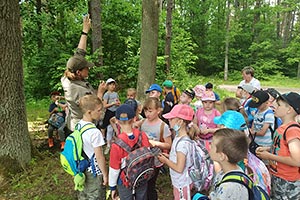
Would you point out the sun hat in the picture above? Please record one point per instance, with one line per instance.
(181, 111)
(110, 80)
(78, 62)
(208, 96)
(190, 92)
(293, 99)
(199, 89)
(154, 87)
(259, 97)
(167, 83)
(248, 88)
(125, 112)
(231, 119)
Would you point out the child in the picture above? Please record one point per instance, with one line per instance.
(204, 118)
(180, 156)
(58, 108)
(209, 87)
(92, 139)
(125, 116)
(284, 157)
(110, 103)
(158, 134)
(263, 118)
(187, 96)
(246, 92)
(154, 91)
(199, 90)
(228, 147)
(131, 94)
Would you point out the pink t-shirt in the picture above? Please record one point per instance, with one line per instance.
(206, 121)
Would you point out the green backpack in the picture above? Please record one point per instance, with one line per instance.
(72, 158)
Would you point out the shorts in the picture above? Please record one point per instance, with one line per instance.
(93, 188)
(284, 190)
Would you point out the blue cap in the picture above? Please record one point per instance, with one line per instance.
(231, 119)
(154, 87)
(132, 103)
(125, 112)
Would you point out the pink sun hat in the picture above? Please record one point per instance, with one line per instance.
(199, 89)
(181, 111)
(208, 96)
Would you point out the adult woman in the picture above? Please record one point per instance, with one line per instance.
(73, 81)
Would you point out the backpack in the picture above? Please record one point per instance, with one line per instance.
(72, 158)
(176, 94)
(139, 164)
(255, 192)
(202, 170)
(56, 120)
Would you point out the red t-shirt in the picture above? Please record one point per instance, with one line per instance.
(280, 148)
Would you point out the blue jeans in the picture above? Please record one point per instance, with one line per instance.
(126, 193)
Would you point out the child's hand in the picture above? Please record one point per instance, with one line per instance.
(162, 157)
(153, 143)
(105, 180)
(114, 195)
(263, 152)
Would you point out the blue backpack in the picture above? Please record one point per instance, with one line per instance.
(255, 192)
(72, 158)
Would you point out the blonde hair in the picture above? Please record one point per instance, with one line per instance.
(152, 102)
(131, 90)
(89, 102)
(233, 143)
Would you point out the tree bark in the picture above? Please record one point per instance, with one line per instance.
(149, 44)
(95, 12)
(168, 35)
(15, 148)
(298, 71)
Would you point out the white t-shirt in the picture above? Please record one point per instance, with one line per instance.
(183, 179)
(91, 138)
(254, 82)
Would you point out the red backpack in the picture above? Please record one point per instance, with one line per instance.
(139, 164)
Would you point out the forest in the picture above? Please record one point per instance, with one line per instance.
(204, 37)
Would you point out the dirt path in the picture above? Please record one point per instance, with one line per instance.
(232, 88)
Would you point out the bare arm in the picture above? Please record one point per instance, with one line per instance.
(85, 28)
(263, 130)
(101, 163)
(178, 166)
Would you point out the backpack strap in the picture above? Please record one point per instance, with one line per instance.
(161, 131)
(241, 178)
(292, 125)
(126, 147)
(184, 138)
(82, 130)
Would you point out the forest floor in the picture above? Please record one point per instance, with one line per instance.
(45, 179)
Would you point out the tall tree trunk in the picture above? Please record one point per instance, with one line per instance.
(95, 12)
(149, 44)
(227, 41)
(298, 71)
(15, 148)
(168, 35)
(278, 31)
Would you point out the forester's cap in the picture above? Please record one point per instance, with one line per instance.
(248, 88)
(167, 83)
(181, 111)
(154, 87)
(78, 62)
(209, 85)
(231, 119)
(125, 112)
(293, 99)
(110, 80)
(190, 93)
(259, 97)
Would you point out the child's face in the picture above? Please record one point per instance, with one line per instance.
(111, 86)
(152, 113)
(185, 99)
(281, 108)
(208, 105)
(96, 113)
(214, 155)
(154, 93)
(173, 122)
(130, 95)
(263, 106)
(54, 98)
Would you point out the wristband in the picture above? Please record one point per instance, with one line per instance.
(84, 33)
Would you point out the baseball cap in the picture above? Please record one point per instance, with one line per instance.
(132, 103)
(209, 85)
(248, 88)
(231, 119)
(273, 92)
(154, 87)
(199, 89)
(125, 112)
(181, 111)
(78, 62)
(293, 99)
(259, 97)
(190, 92)
(167, 83)
(110, 80)
(208, 96)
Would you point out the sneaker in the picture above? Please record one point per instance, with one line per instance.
(50, 142)
(62, 145)
(107, 149)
